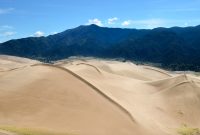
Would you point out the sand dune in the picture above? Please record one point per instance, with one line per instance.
(96, 97)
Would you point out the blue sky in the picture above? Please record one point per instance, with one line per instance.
(24, 18)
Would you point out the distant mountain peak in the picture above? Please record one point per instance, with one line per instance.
(175, 48)
(89, 26)
(93, 25)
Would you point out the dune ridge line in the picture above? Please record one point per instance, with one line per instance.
(157, 71)
(12, 69)
(97, 69)
(92, 86)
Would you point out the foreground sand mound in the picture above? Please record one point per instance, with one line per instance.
(159, 101)
(47, 97)
(8, 63)
(96, 97)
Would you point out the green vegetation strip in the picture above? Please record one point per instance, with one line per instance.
(185, 130)
(29, 131)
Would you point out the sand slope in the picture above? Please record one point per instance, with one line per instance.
(47, 97)
(159, 101)
(96, 97)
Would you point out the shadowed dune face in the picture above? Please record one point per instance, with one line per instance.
(96, 97)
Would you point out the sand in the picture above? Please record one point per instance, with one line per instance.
(96, 97)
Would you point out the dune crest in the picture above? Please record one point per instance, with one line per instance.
(96, 97)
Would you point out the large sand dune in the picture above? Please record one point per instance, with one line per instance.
(96, 97)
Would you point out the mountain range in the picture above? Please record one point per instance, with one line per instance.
(173, 48)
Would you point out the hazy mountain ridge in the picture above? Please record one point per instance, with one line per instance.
(175, 48)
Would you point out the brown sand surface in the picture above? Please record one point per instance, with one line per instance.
(158, 100)
(96, 97)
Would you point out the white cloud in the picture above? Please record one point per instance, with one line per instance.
(38, 34)
(95, 21)
(6, 30)
(6, 10)
(126, 23)
(5, 27)
(53, 33)
(112, 20)
(146, 23)
(149, 23)
(7, 33)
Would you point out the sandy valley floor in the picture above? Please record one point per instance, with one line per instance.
(96, 97)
